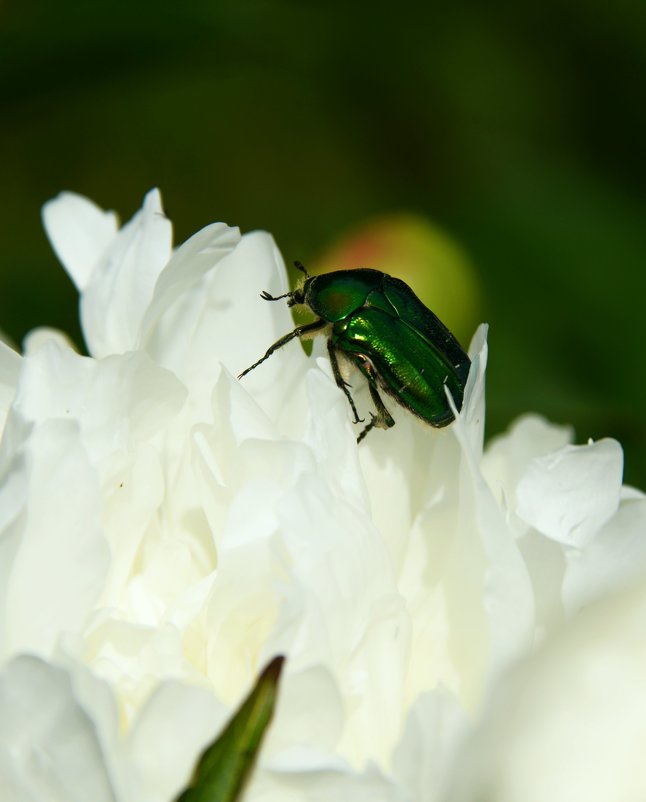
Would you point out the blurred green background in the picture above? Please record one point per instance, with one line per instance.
(517, 129)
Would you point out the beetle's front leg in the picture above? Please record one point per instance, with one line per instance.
(299, 331)
(338, 378)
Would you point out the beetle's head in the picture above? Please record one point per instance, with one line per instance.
(300, 293)
(298, 296)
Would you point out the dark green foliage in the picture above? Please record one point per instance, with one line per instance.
(518, 128)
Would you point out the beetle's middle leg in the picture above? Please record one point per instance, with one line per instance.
(299, 331)
(340, 382)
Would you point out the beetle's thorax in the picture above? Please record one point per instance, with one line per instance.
(335, 296)
(305, 290)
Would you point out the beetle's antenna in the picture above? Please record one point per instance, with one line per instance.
(267, 297)
(300, 266)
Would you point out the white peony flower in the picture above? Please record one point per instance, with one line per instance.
(166, 529)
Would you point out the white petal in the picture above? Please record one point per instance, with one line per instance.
(237, 416)
(48, 745)
(118, 401)
(507, 456)
(329, 785)
(173, 727)
(208, 311)
(189, 264)
(61, 556)
(568, 495)
(9, 369)
(13, 497)
(331, 436)
(472, 414)
(307, 723)
(182, 328)
(79, 231)
(43, 334)
(120, 289)
(133, 659)
(133, 495)
(611, 560)
(424, 757)
(505, 595)
(570, 722)
(97, 699)
(349, 614)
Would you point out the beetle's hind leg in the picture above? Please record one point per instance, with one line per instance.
(340, 382)
(299, 331)
(383, 419)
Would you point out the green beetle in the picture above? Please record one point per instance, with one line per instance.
(377, 323)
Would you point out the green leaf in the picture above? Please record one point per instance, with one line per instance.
(221, 772)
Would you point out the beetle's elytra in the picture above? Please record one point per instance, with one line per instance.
(377, 323)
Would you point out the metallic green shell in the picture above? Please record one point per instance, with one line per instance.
(383, 327)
